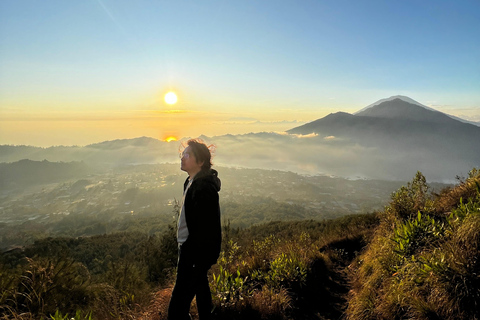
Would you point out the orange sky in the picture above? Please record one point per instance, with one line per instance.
(53, 127)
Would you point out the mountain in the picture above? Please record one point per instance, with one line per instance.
(406, 129)
(395, 123)
(122, 143)
(114, 152)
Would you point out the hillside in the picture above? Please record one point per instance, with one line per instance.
(27, 173)
(423, 262)
(417, 259)
(115, 152)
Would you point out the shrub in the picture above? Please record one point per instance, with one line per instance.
(46, 286)
(413, 235)
(262, 252)
(410, 199)
(431, 268)
(286, 271)
(229, 290)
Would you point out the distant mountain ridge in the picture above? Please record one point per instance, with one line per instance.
(112, 152)
(388, 140)
(25, 173)
(122, 143)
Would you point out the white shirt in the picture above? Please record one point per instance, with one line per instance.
(182, 233)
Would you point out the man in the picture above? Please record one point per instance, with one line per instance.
(199, 233)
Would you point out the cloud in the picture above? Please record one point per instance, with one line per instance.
(303, 136)
(309, 154)
(313, 154)
(469, 113)
(242, 119)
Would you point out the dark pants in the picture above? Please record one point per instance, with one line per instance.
(192, 280)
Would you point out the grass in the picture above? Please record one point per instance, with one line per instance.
(424, 260)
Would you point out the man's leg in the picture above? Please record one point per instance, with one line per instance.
(202, 291)
(184, 289)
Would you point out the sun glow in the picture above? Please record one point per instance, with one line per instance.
(171, 98)
(170, 139)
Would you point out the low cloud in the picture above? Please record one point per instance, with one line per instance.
(304, 154)
(303, 136)
(242, 119)
(309, 154)
(313, 154)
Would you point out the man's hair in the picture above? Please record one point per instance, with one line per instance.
(201, 153)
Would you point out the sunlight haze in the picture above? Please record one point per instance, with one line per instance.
(82, 72)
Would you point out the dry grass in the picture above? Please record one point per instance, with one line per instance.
(449, 198)
(271, 303)
(437, 275)
(158, 309)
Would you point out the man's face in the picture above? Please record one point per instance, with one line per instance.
(189, 162)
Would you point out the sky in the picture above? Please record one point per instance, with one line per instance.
(81, 72)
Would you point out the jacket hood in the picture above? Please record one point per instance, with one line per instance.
(210, 176)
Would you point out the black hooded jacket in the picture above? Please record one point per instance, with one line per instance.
(202, 213)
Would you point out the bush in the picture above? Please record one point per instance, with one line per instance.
(414, 235)
(410, 199)
(424, 265)
(46, 286)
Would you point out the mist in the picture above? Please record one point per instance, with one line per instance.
(304, 154)
(314, 154)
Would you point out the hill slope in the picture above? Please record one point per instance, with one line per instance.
(424, 259)
(279, 270)
(26, 173)
(115, 152)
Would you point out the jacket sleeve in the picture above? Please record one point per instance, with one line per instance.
(203, 221)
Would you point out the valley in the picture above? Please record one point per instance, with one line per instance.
(143, 198)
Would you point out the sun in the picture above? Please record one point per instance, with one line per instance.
(170, 139)
(171, 98)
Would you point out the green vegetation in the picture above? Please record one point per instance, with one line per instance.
(104, 277)
(417, 259)
(114, 276)
(424, 260)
